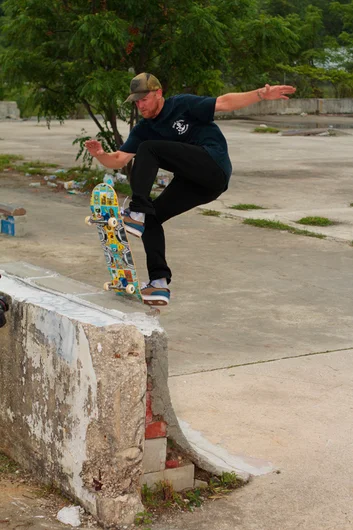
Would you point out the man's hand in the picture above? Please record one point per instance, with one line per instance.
(275, 92)
(115, 160)
(94, 147)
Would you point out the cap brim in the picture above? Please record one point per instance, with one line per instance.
(136, 97)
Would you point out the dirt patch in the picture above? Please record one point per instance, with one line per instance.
(27, 504)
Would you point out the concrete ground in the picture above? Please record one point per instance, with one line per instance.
(260, 323)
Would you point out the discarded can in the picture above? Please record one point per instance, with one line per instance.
(35, 184)
(52, 185)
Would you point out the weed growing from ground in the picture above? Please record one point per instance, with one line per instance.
(316, 221)
(271, 130)
(246, 207)
(277, 225)
(7, 161)
(162, 498)
(211, 213)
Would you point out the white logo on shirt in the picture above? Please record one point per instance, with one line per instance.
(180, 126)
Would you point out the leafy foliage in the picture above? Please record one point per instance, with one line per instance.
(58, 54)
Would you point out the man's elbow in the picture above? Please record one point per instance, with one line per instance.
(222, 104)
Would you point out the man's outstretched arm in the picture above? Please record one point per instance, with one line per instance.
(115, 160)
(238, 100)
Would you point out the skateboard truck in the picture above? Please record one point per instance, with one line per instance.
(129, 287)
(112, 222)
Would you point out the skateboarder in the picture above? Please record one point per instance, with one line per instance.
(179, 135)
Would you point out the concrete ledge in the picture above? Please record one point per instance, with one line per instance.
(293, 106)
(72, 398)
(87, 362)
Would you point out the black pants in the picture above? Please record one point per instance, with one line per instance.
(197, 180)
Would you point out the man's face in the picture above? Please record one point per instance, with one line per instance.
(149, 106)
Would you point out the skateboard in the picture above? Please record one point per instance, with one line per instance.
(106, 216)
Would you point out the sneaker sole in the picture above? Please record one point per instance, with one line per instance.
(133, 231)
(154, 300)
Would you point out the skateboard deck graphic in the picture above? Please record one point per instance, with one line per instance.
(106, 216)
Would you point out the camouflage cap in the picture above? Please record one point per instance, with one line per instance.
(141, 85)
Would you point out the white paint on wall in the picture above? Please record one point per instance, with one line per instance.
(64, 347)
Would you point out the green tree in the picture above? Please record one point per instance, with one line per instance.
(257, 47)
(79, 51)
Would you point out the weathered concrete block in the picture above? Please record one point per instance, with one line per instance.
(200, 484)
(181, 478)
(77, 414)
(13, 226)
(72, 398)
(154, 455)
(150, 479)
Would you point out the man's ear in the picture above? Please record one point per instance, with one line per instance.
(159, 93)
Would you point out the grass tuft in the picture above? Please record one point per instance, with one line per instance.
(7, 161)
(316, 221)
(271, 130)
(246, 207)
(277, 225)
(211, 213)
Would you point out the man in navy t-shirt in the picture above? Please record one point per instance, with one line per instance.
(179, 135)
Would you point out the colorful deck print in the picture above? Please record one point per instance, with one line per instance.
(105, 205)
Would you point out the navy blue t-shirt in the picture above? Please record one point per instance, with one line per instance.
(184, 118)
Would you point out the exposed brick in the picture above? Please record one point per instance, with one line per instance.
(170, 464)
(157, 429)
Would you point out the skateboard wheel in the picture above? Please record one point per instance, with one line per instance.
(112, 222)
(107, 286)
(130, 289)
(88, 220)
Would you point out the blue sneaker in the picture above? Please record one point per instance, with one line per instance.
(133, 227)
(155, 295)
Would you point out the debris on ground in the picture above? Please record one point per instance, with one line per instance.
(70, 515)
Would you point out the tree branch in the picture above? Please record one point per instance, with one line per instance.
(89, 110)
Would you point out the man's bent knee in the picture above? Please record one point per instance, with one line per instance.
(146, 146)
